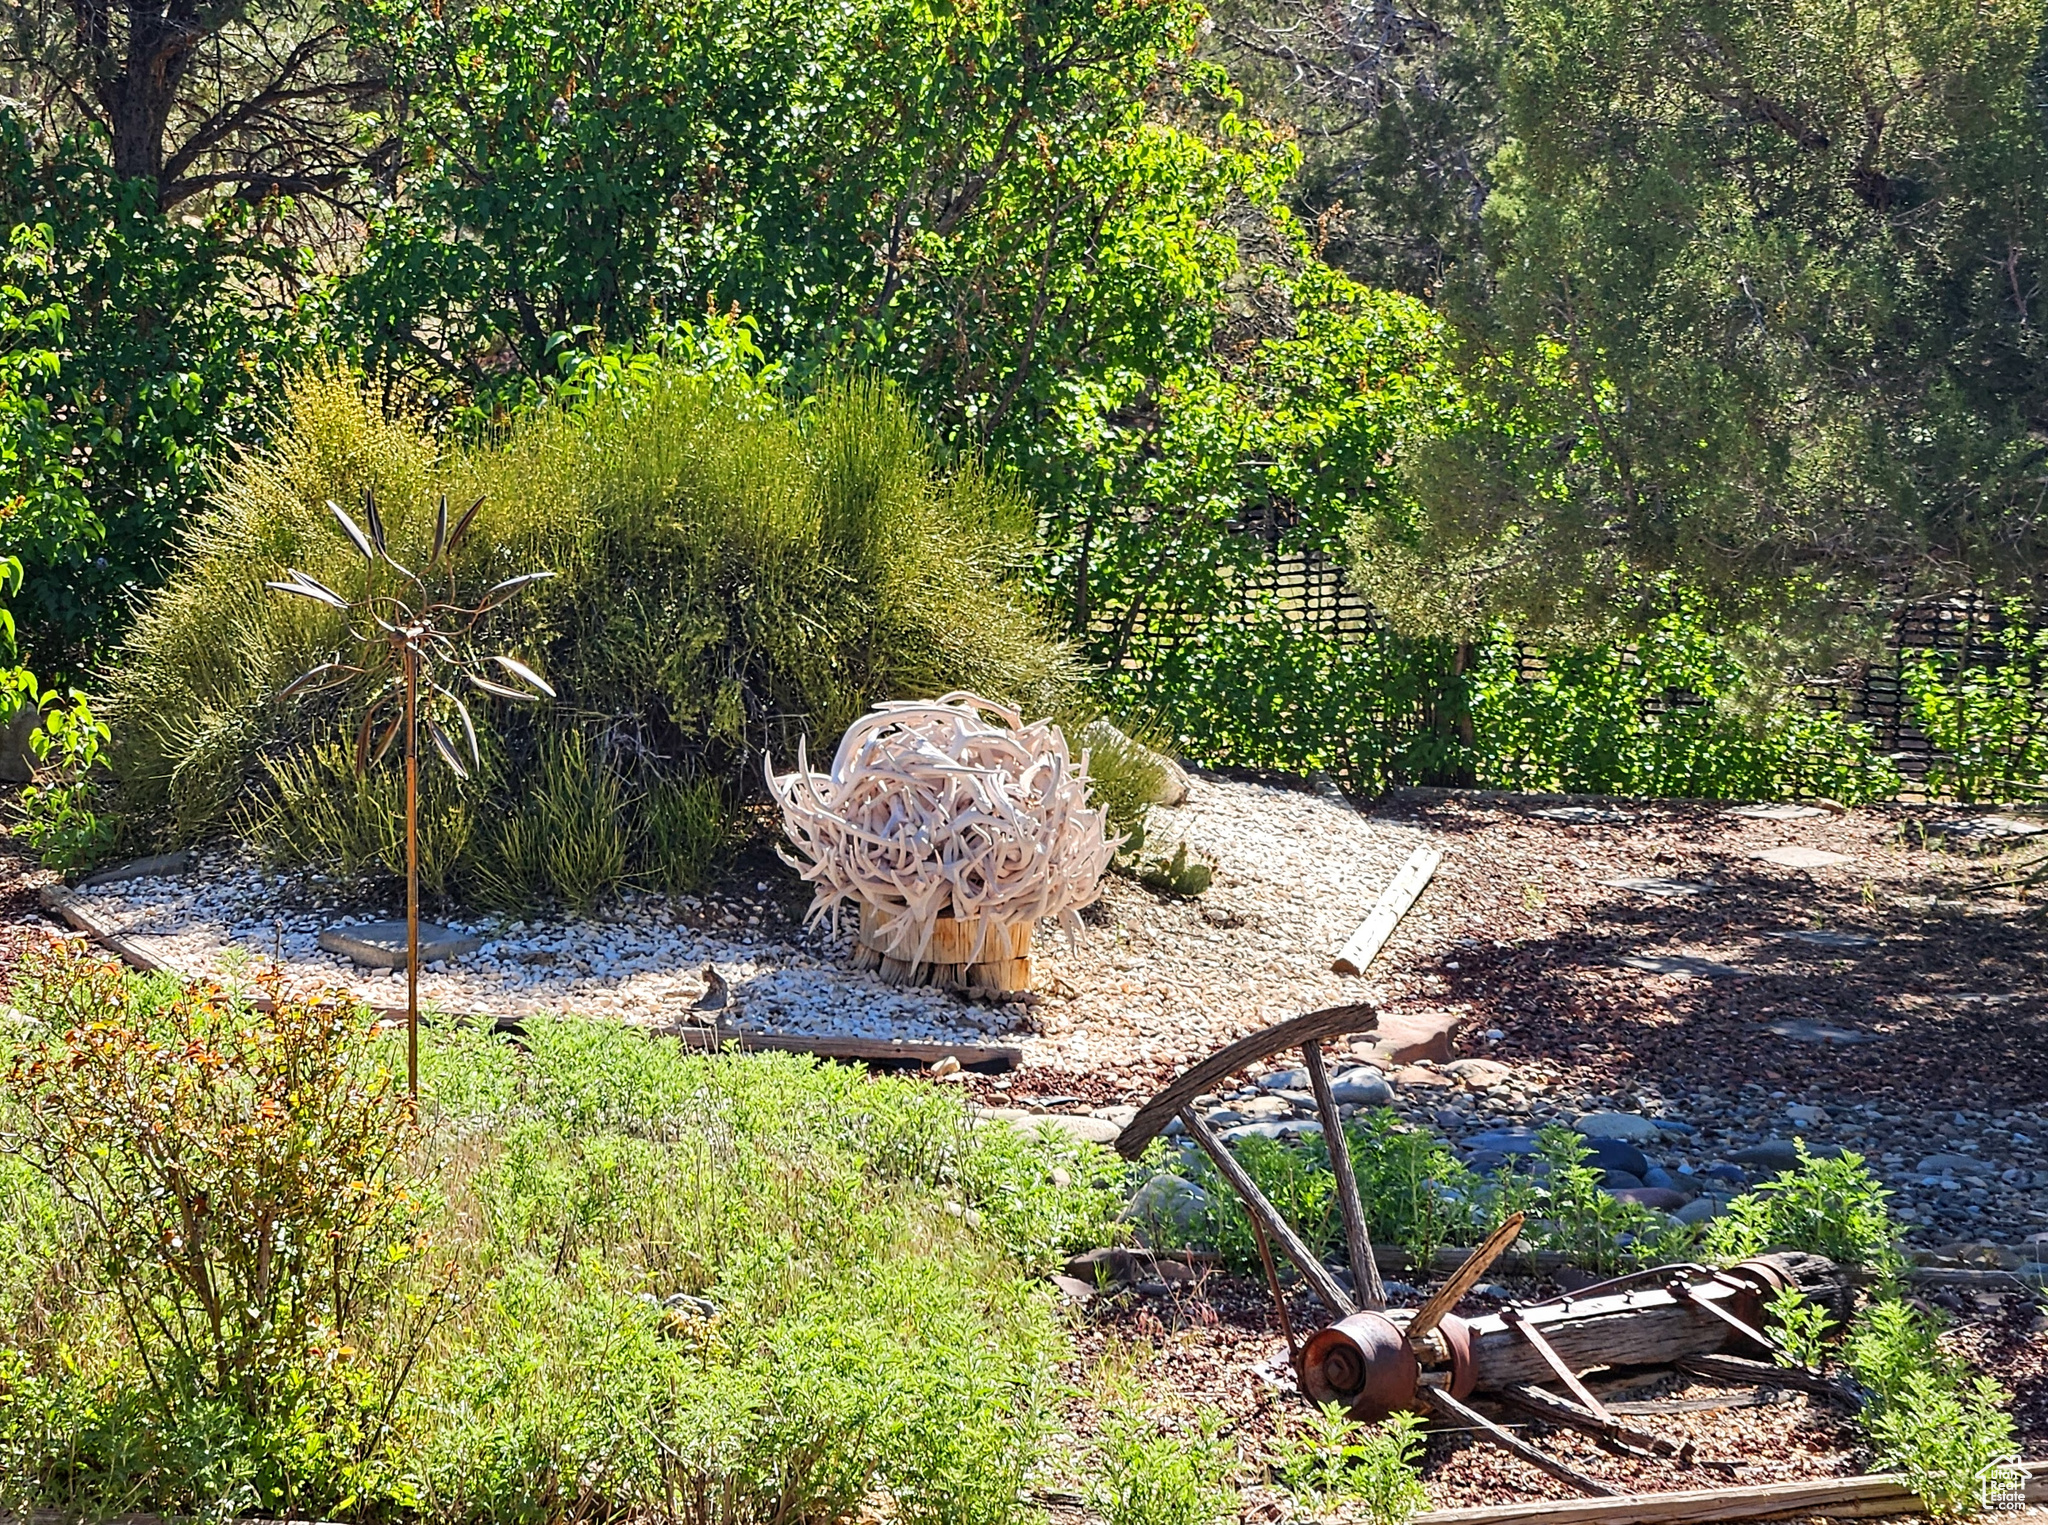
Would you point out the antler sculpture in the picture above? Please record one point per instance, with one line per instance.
(929, 810)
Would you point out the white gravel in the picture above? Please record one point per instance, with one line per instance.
(1151, 980)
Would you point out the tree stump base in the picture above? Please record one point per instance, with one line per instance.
(1004, 966)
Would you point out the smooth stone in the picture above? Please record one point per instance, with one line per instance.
(1584, 815)
(382, 944)
(1950, 1164)
(1620, 1180)
(1285, 1080)
(1089, 1130)
(1803, 1031)
(1800, 1113)
(1673, 1125)
(1773, 812)
(1699, 1210)
(161, 866)
(1166, 1198)
(1630, 1127)
(1721, 1170)
(1776, 1154)
(1361, 1087)
(1660, 888)
(1504, 1141)
(1654, 1197)
(1617, 1154)
(1800, 857)
(1678, 963)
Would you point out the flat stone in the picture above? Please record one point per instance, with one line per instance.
(1950, 1164)
(1585, 815)
(1089, 1130)
(1802, 1031)
(1823, 939)
(1800, 1113)
(1662, 889)
(1416, 1075)
(1800, 857)
(382, 944)
(1987, 828)
(162, 866)
(1659, 1198)
(1679, 963)
(1405, 1037)
(1295, 1128)
(1773, 812)
(1630, 1127)
(1480, 1074)
(1612, 1181)
(1285, 1080)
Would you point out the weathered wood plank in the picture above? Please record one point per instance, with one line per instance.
(1365, 944)
(1840, 1497)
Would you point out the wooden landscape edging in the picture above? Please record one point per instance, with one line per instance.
(70, 907)
(1879, 1493)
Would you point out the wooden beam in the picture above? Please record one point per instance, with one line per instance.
(1365, 1271)
(1153, 1117)
(1372, 934)
(74, 910)
(1312, 1268)
(1840, 1497)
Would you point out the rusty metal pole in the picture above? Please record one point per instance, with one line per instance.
(412, 875)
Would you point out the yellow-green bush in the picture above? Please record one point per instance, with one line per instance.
(733, 573)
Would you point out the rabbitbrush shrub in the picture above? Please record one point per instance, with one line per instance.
(621, 1279)
(733, 573)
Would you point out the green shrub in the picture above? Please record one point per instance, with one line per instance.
(1832, 1207)
(1151, 1470)
(1928, 1417)
(732, 575)
(634, 1280)
(1988, 722)
(1330, 1464)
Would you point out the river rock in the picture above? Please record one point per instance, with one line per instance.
(1630, 1127)
(1167, 1199)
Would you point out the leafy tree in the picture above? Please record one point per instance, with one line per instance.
(973, 199)
(138, 347)
(198, 98)
(1397, 110)
(1764, 311)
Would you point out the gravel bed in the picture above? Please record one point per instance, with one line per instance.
(1151, 983)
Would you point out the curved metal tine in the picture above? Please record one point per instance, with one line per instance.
(1365, 1269)
(1465, 1278)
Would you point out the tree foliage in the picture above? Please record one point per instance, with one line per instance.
(139, 349)
(1761, 309)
